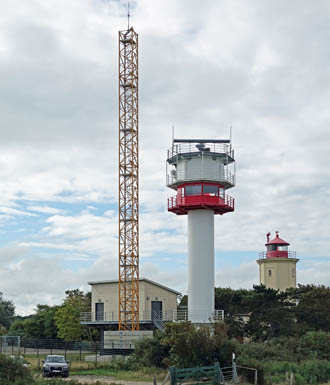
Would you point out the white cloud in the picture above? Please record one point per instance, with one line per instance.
(11, 211)
(45, 209)
(254, 65)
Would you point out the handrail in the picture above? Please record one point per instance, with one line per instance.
(210, 148)
(177, 200)
(291, 254)
(225, 176)
(158, 316)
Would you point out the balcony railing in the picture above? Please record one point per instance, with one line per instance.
(198, 200)
(191, 148)
(225, 177)
(145, 316)
(291, 254)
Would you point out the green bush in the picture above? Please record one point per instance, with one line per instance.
(13, 372)
(308, 372)
(149, 352)
(184, 345)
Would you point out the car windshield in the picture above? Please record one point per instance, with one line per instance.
(57, 359)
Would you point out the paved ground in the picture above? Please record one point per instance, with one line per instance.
(105, 380)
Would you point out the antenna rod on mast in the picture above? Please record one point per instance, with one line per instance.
(231, 134)
(128, 15)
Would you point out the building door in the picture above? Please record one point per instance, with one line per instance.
(156, 310)
(99, 311)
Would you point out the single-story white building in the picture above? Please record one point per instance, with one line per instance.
(156, 302)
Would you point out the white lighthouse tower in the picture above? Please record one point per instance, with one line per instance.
(200, 170)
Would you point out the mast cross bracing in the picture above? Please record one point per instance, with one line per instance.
(128, 181)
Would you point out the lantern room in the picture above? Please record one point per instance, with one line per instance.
(277, 247)
(200, 170)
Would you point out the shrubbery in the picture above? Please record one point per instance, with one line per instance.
(184, 345)
(13, 372)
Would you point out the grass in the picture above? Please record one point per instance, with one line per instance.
(84, 368)
(36, 364)
(145, 374)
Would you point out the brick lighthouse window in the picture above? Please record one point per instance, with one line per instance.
(269, 273)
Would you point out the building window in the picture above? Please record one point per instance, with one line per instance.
(271, 247)
(193, 190)
(211, 190)
(269, 273)
(293, 272)
(283, 248)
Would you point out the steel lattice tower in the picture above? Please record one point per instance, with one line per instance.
(128, 181)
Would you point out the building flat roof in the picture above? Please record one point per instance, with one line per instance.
(141, 279)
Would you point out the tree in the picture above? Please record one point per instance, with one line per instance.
(7, 312)
(3, 331)
(45, 317)
(271, 314)
(17, 328)
(38, 325)
(313, 307)
(190, 345)
(232, 301)
(67, 316)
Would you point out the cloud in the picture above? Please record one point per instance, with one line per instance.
(11, 253)
(201, 68)
(11, 211)
(45, 209)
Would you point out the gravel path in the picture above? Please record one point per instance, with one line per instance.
(105, 380)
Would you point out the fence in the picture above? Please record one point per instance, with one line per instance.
(74, 350)
(145, 316)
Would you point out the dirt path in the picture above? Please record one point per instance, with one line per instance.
(105, 380)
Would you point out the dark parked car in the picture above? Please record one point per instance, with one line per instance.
(55, 366)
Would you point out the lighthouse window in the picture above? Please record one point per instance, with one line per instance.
(283, 248)
(193, 190)
(293, 272)
(271, 247)
(211, 190)
(269, 273)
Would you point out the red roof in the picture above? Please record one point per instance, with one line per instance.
(277, 241)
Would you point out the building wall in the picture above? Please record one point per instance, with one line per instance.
(124, 339)
(156, 293)
(279, 273)
(107, 293)
(197, 169)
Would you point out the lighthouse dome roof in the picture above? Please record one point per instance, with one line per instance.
(277, 241)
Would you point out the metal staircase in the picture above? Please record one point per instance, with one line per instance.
(157, 319)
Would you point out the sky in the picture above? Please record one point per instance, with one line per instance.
(262, 67)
